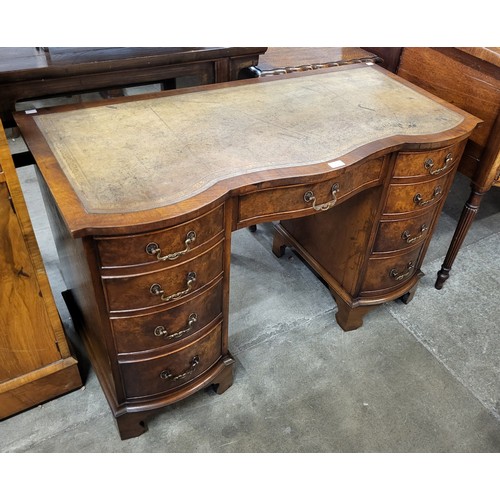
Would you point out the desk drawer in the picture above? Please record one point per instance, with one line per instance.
(143, 291)
(429, 163)
(389, 272)
(164, 373)
(273, 203)
(404, 198)
(152, 331)
(169, 245)
(395, 235)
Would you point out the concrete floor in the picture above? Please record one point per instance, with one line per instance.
(422, 377)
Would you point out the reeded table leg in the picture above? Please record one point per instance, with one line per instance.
(468, 215)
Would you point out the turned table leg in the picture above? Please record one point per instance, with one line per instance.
(468, 215)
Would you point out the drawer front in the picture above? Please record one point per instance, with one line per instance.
(167, 372)
(169, 245)
(404, 198)
(152, 331)
(166, 286)
(307, 198)
(391, 272)
(399, 234)
(427, 164)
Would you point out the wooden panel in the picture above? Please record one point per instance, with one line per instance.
(27, 341)
(35, 361)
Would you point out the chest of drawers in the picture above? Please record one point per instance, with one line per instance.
(355, 164)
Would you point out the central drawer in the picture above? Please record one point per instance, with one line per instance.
(149, 290)
(164, 373)
(302, 199)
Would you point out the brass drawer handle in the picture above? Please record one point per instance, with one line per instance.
(420, 201)
(167, 375)
(429, 164)
(154, 249)
(309, 197)
(406, 234)
(156, 289)
(161, 331)
(398, 276)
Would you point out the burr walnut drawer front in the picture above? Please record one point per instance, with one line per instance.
(152, 331)
(168, 245)
(395, 235)
(154, 289)
(165, 372)
(273, 203)
(428, 163)
(388, 272)
(404, 198)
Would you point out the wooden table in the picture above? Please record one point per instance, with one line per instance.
(144, 193)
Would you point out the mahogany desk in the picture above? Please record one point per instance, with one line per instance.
(144, 193)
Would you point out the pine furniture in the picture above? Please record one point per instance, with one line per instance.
(35, 360)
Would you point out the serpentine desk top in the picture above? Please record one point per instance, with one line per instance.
(140, 154)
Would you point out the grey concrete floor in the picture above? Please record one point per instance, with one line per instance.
(422, 377)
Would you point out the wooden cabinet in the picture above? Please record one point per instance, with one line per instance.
(35, 362)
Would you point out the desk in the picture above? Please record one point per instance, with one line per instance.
(144, 193)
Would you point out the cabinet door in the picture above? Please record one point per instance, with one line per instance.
(27, 340)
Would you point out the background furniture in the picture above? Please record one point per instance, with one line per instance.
(279, 60)
(147, 259)
(468, 77)
(35, 361)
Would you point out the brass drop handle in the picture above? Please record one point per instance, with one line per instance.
(398, 276)
(156, 289)
(309, 197)
(420, 201)
(406, 234)
(429, 164)
(161, 331)
(154, 249)
(167, 374)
